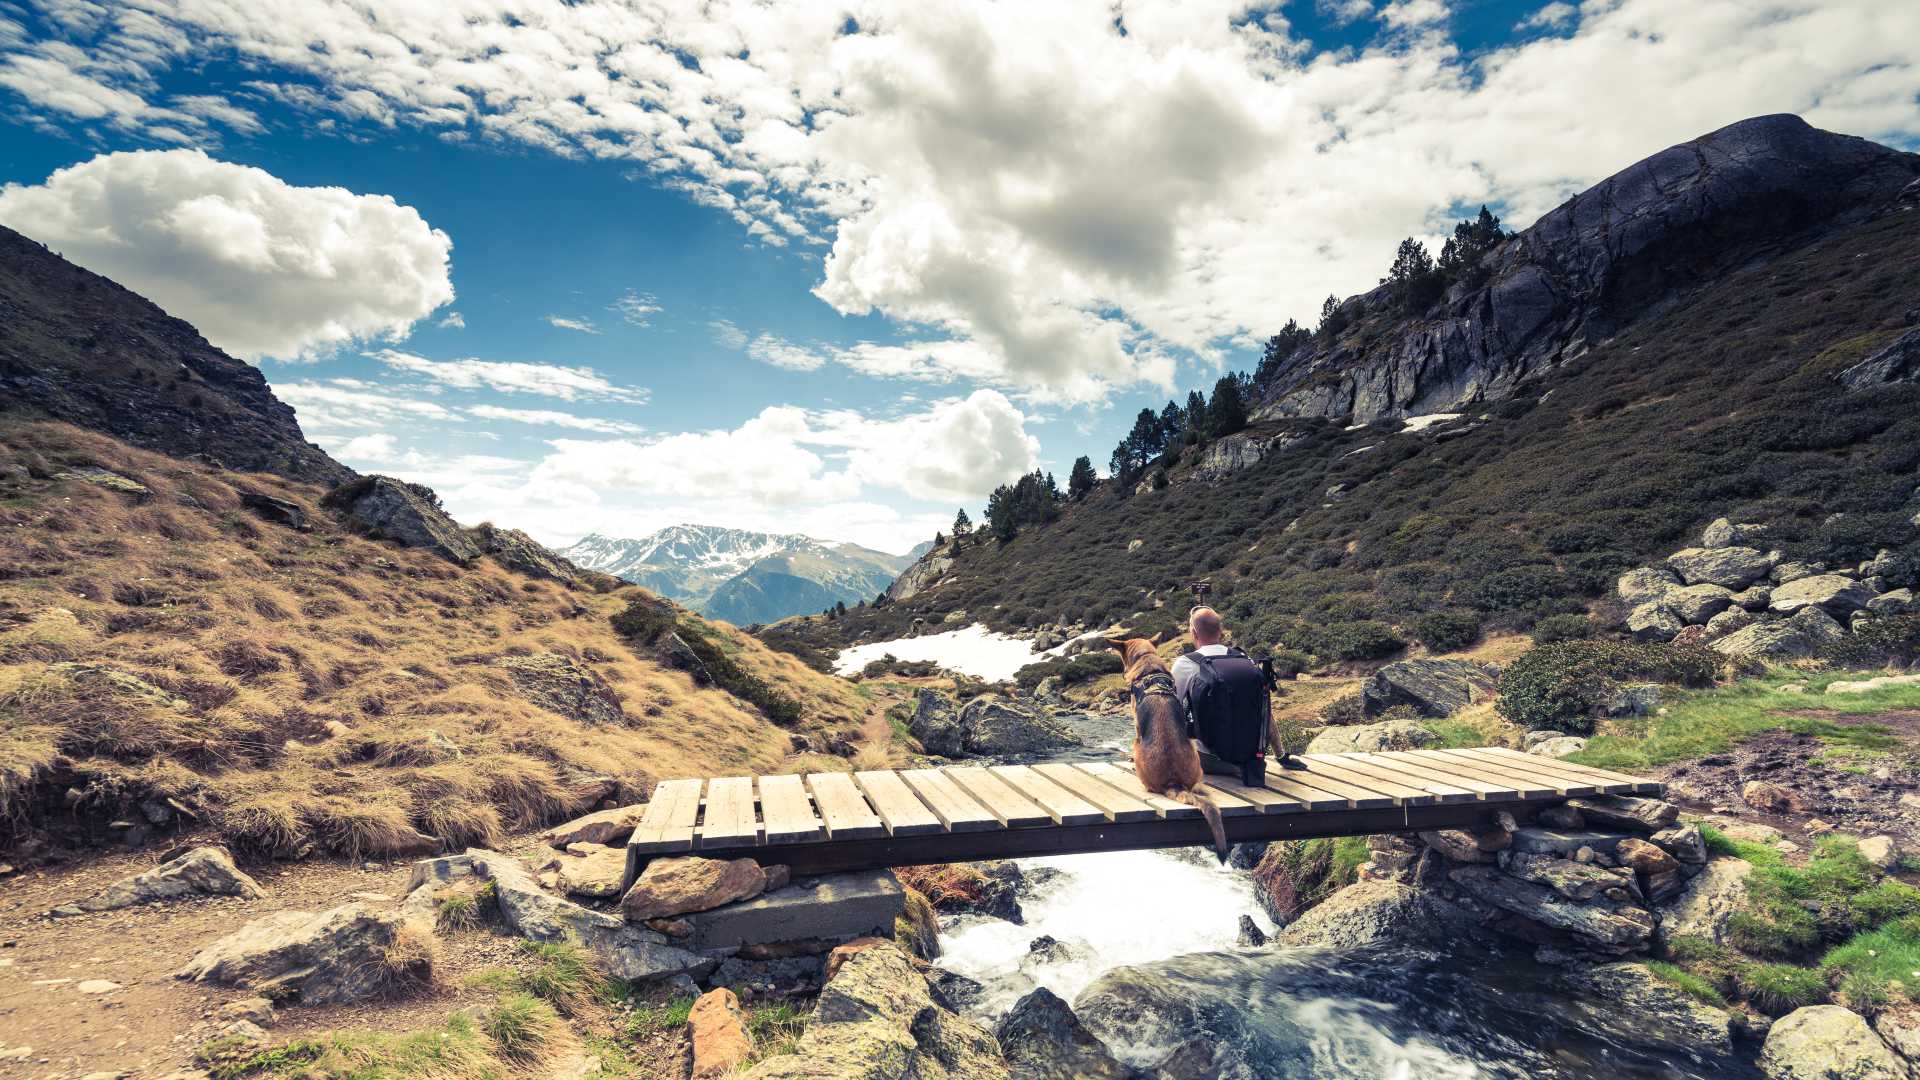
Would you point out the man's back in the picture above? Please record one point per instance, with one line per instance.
(1225, 694)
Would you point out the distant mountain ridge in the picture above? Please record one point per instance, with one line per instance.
(741, 575)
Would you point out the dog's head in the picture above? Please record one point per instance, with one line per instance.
(1138, 654)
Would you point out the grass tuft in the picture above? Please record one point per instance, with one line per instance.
(1778, 989)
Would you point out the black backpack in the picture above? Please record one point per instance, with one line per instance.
(1225, 705)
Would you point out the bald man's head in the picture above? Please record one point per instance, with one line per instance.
(1205, 624)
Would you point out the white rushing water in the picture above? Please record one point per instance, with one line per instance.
(974, 650)
(1107, 909)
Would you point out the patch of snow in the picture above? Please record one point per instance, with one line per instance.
(973, 650)
(1422, 423)
(1362, 450)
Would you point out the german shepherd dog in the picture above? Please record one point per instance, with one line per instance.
(1163, 756)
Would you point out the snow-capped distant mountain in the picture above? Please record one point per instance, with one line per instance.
(743, 576)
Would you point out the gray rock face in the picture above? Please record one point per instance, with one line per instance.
(1753, 598)
(1385, 735)
(1043, 1040)
(1894, 602)
(1626, 812)
(1898, 362)
(1729, 621)
(1827, 1042)
(1605, 926)
(993, 725)
(1646, 585)
(1225, 456)
(1374, 913)
(1699, 603)
(203, 871)
(563, 685)
(1538, 840)
(1590, 267)
(399, 511)
(876, 1019)
(1832, 593)
(1727, 567)
(936, 723)
(1801, 635)
(1709, 900)
(1662, 1016)
(1794, 571)
(1654, 621)
(518, 551)
(920, 576)
(1724, 533)
(1434, 687)
(334, 956)
(1572, 880)
(628, 952)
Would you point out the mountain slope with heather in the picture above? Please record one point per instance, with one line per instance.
(742, 576)
(1734, 353)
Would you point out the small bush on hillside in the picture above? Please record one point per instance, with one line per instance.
(1891, 640)
(1342, 710)
(1070, 669)
(1559, 686)
(1446, 631)
(1288, 664)
(1363, 639)
(1568, 627)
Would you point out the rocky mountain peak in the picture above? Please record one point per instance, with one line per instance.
(1623, 250)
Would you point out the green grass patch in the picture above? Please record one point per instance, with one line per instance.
(1702, 722)
(519, 1024)
(1455, 734)
(1687, 982)
(563, 975)
(650, 1018)
(775, 1029)
(1778, 989)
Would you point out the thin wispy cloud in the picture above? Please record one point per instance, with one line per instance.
(562, 322)
(636, 308)
(512, 377)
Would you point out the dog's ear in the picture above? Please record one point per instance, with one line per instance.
(1117, 644)
(1160, 638)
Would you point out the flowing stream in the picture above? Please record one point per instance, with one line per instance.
(1143, 945)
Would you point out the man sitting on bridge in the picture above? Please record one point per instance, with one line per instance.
(1228, 711)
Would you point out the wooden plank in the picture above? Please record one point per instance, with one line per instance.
(1062, 805)
(1428, 774)
(668, 822)
(1111, 801)
(1358, 796)
(1432, 790)
(1339, 768)
(1126, 781)
(954, 807)
(899, 808)
(1568, 785)
(1641, 784)
(1291, 783)
(1013, 809)
(846, 814)
(1261, 800)
(786, 811)
(1542, 766)
(730, 820)
(1528, 786)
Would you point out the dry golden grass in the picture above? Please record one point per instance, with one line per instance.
(321, 688)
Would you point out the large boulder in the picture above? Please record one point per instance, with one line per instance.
(1385, 735)
(1375, 913)
(406, 513)
(1835, 594)
(1730, 621)
(1827, 1042)
(626, 952)
(563, 685)
(876, 1019)
(1724, 533)
(343, 954)
(1043, 1040)
(936, 724)
(1894, 602)
(1434, 687)
(1663, 1016)
(518, 551)
(201, 871)
(1728, 567)
(1799, 636)
(1696, 604)
(677, 886)
(591, 870)
(1710, 899)
(1899, 361)
(1646, 585)
(995, 726)
(1606, 926)
(1654, 621)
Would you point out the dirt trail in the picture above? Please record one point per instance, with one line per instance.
(152, 1022)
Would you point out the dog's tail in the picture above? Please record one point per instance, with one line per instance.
(1196, 797)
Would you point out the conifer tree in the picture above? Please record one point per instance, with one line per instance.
(1081, 480)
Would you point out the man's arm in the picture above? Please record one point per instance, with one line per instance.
(1183, 672)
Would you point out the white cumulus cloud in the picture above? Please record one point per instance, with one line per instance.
(514, 377)
(261, 267)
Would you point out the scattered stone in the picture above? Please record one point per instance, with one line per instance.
(275, 509)
(1899, 1028)
(560, 684)
(1879, 850)
(592, 870)
(1799, 636)
(1559, 747)
(97, 986)
(1728, 567)
(1574, 880)
(254, 1010)
(1835, 594)
(1433, 687)
(611, 827)
(405, 513)
(1463, 846)
(1654, 621)
(1645, 585)
(1708, 901)
(682, 885)
(1817, 827)
(205, 871)
(343, 954)
(1752, 832)
(1867, 686)
(1606, 926)
(1626, 812)
(1827, 1042)
(1561, 817)
(1683, 842)
(1385, 735)
(1042, 1039)
(1769, 797)
(108, 479)
(1634, 699)
(1251, 936)
(718, 1031)
(1646, 858)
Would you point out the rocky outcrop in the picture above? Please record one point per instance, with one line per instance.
(344, 954)
(1374, 913)
(1664, 1018)
(1591, 267)
(1729, 567)
(78, 348)
(1042, 1039)
(1385, 735)
(1898, 362)
(1703, 908)
(1827, 1042)
(1231, 453)
(1835, 594)
(988, 725)
(921, 576)
(1434, 687)
(611, 827)
(1798, 636)
(405, 513)
(876, 1019)
(516, 550)
(201, 871)
(563, 685)
(590, 870)
(1600, 923)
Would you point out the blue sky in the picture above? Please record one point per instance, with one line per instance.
(837, 268)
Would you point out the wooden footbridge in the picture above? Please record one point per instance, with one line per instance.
(829, 822)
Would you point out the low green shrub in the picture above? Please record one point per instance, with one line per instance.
(1446, 631)
(650, 621)
(1893, 639)
(1556, 628)
(1363, 639)
(1560, 686)
(1345, 709)
(1084, 667)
